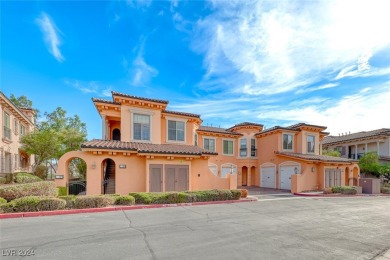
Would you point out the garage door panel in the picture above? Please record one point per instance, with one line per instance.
(267, 177)
(285, 177)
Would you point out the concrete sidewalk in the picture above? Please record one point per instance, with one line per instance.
(384, 256)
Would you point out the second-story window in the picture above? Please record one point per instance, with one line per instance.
(141, 127)
(209, 144)
(253, 147)
(196, 139)
(228, 147)
(287, 141)
(22, 130)
(6, 126)
(310, 144)
(243, 148)
(16, 126)
(176, 130)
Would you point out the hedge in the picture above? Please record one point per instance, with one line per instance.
(3, 201)
(184, 197)
(69, 199)
(43, 188)
(344, 189)
(385, 189)
(34, 203)
(3, 180)
(124, 200)
(62, 191)
(23, 177)
(82, 202)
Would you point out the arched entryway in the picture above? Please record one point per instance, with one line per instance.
(355, 176)
(116, 134)
(253, 176)
(346, 176)
(244, 176)
(77, 172)
(108, 176)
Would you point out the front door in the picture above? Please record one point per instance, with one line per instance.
(155, 177)
(332, 177)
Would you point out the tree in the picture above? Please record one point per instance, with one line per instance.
(56, 136)
(369, 163)
(331, 153)
(23, 101)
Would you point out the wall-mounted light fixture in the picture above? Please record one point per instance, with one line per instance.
(313, 169)
(296, 170)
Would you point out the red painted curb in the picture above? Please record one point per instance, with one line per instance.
(93, 210)
(340, 195)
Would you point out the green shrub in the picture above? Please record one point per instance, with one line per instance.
(62, 191)
(236, 194)
(142, 197)
(3, 201)
(25, 204)
(3, 180)
(41, 172)
(47, 203)
(6, 208)
(124, 200)
(43, 188)
(9, 178)
(82, 202)
(23, 177)
(69, 200)
(385, 189)
(344, 189)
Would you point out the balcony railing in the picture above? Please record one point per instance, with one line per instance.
(359, 155)
(7, 133)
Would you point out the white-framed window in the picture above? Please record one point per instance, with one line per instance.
(243, 148)
(176, 131)
(253, 148)
(288, 142)
(141, 127)
(310, 143)
(227, 147)
(213, 168)
(195, 139)
(7, 126)
(209, 144)
(22, 130)
(16, 126)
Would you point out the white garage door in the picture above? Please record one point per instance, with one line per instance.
(267, 177)
(228, 169)
(285, 177)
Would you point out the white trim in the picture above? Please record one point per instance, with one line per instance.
(215, 142)
(250, 148)
(293, 135)
(227, 139)
(176, 119)
(141, 112)
(267, 164)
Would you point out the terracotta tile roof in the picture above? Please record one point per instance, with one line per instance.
(114, 93)
(105, 101)
(181, 113)
(297, 126)
(147, 147)
(360, 135)
(245, 124)
(217, 130)
(316, 157)
(276, 128)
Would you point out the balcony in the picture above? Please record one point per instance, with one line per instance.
(7, 133)
(359, 155)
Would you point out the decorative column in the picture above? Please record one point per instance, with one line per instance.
(104, 127)
(365, 150)
(377, 147)
(355, 151)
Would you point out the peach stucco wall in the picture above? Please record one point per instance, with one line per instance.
(135, 177)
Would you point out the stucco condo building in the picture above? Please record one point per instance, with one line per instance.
(145, 147)
(16, 122)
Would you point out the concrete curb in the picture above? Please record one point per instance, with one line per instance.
(340, 195)
(118, 208)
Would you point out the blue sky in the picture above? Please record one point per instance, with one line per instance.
(270, 62)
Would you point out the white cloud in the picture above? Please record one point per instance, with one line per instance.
(325, 86)
(364, 110)
(268, 47)
(90, 87)
(50, 35)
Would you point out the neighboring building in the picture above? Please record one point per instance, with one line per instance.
(145, 147)
(16, 122)
(355, 145)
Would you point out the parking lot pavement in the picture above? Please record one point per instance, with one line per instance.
(305, 228)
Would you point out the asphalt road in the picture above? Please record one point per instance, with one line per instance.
(295, 228)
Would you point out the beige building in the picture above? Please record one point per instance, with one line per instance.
(15, 122)
(355, 145)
